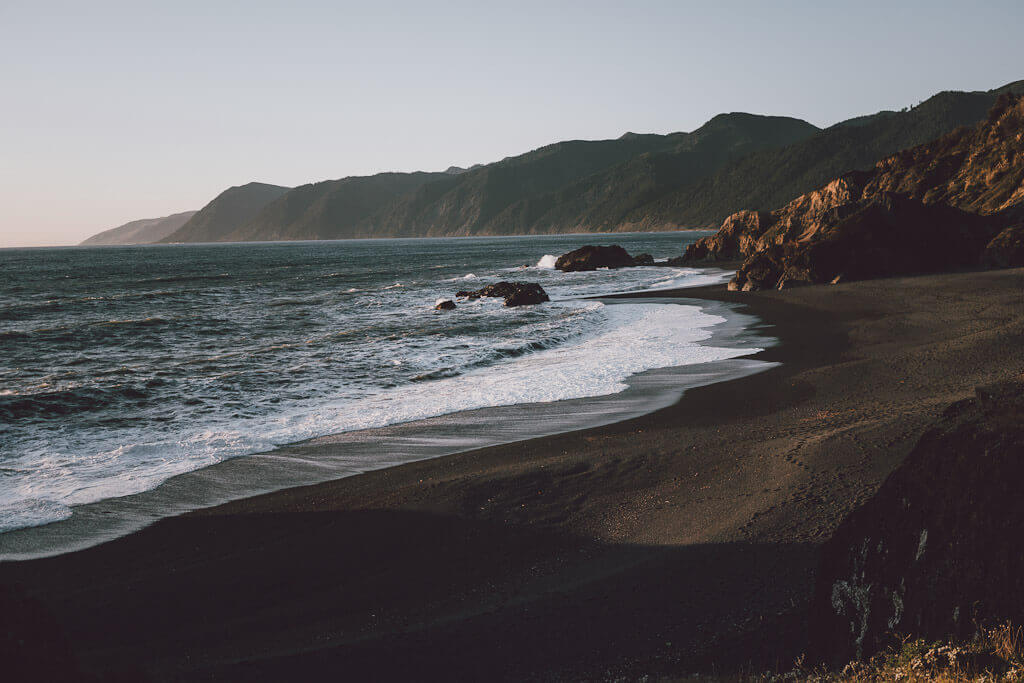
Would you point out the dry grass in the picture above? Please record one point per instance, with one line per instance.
(994, 654)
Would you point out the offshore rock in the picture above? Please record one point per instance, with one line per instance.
(514, 293)
(937, 549)
(593, 257)
(643, 260)
(444, 305)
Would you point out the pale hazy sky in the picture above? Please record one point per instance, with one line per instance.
(113, 111)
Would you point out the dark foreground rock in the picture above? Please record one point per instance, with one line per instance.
(593, 257)
(514, 293)
(1006, 250)
(937, 550)
(444, 305)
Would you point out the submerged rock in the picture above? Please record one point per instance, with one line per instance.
(593, 257)
(937, 550)
(514, 293)
(444, 305)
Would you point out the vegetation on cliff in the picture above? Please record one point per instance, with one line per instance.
(333, 209)
(228, 211)
(564, 187)
(992, 654)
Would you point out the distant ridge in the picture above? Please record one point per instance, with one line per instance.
(145, 231)
(541, 191)
(635, 182)
(326, 210)
(606, 200)
(228, 211)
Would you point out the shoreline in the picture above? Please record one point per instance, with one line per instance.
(337, 455)
(662, 545)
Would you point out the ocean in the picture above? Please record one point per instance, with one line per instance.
(122, 367)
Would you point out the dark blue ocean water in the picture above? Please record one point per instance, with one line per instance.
(123, 366)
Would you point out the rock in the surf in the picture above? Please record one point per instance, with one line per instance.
(514, 293)
(444, 305)
(593, 257)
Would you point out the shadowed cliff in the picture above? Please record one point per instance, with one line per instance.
(935, 552)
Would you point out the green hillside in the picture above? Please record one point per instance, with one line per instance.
(228, 211)
(330, 209)
(769, 179)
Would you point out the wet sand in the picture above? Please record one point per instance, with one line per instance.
(683, 540)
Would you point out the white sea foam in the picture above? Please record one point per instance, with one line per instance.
(690, 277)
(634, 338)
(547, 262)
(31, 512)
(361, 358)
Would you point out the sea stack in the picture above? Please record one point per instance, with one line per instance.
(592, 257)
(514, 293)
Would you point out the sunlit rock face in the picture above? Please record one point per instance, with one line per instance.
(926, 209)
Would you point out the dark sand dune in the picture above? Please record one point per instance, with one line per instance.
(683, 540)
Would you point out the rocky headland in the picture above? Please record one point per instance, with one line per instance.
(514, 293)
(144, 231)
(955, 202)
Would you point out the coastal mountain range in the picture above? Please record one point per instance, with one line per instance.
(229, 210)
(635, 182)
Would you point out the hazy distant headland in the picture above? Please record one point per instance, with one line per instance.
(145, 231)
(635, 182)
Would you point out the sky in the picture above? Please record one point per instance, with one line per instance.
(115, 111)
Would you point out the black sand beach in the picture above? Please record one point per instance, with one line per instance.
(684, 540)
